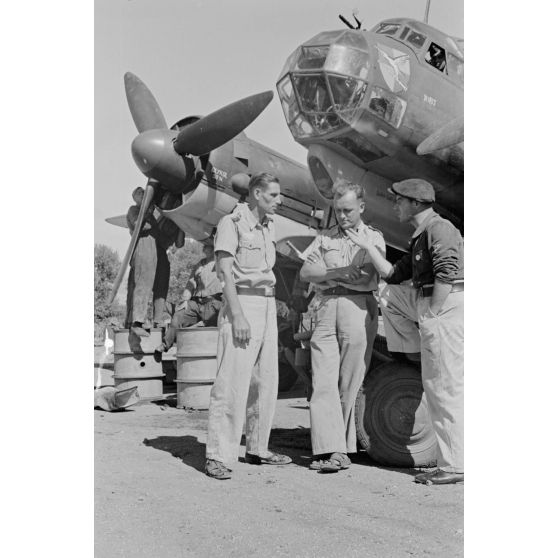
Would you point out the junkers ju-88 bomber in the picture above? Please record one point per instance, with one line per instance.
(373, 107)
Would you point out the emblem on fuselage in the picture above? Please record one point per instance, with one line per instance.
(395, 67)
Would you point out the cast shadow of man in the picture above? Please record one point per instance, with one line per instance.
(295, 442)
(186, 448)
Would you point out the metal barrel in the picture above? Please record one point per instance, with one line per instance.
(196, 366)
(135, 364)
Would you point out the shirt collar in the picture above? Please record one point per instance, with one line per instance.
(252, 220)
(428, 216)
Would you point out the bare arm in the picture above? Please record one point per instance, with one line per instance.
(240, 326)
(315, 272)
(384, 268)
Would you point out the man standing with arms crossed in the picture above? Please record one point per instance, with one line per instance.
(435, 301)
(247, 365)
(346, 325)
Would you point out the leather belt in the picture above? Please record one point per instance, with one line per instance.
(343, 291)
(427, 290)
(257, 291)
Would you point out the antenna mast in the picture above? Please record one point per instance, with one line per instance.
(426, 11)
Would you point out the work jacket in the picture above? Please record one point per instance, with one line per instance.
(436, 253)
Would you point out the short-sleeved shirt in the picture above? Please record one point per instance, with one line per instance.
(335, 249)
(251, 243)
(204, 281)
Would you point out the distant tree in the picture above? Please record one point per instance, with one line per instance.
(107, 264)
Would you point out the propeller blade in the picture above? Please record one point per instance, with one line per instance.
(450, 134)
(119, 221)
(145, 110)
(220, 126)
(147, 197)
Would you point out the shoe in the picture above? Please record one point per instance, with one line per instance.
(139, 331)
(318, 461)
(272, 459)
(216, 470)
(440, 477)
(337, 462)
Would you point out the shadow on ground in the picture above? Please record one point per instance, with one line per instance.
(294, 442)
(186, 448)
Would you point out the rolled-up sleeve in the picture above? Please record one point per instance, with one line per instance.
(444, 242)
(226, 237)
(380, 243)
(314, 248)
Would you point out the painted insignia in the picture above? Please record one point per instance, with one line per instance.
(395, 68)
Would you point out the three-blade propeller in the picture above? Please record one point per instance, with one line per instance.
(198, 138)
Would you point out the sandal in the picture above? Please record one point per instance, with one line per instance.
(317, 463)
(216, 470)
(272, 459)
(337, 462)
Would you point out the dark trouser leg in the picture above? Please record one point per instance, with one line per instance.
(160, 285)
(129, 299)
(143, 270)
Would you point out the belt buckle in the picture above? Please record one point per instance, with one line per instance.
(268, 291)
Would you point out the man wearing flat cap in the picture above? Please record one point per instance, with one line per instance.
(434, 300)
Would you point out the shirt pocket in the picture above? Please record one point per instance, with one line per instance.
(332, 256)
(250, 254)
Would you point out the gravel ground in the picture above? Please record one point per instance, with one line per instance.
(152, 498)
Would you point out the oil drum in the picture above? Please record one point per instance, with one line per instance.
(135, 364)
(196, 366)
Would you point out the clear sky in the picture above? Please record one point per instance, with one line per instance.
(199, 55)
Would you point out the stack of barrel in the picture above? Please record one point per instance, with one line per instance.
(196, 366)
(135, 364)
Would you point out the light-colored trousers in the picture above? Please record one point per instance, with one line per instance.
(440, 342)
(246, 382)
(341, 348)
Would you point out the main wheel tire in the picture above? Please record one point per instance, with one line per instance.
(392, 420)
(287, 376)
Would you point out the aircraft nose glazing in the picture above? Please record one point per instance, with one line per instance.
(148, 149)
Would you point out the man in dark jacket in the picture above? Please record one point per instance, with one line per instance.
(434, 300)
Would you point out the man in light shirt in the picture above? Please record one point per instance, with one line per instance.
(346, 322)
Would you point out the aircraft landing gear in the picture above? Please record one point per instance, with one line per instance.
(392, 420)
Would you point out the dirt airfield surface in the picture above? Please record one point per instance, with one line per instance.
(153, 499)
